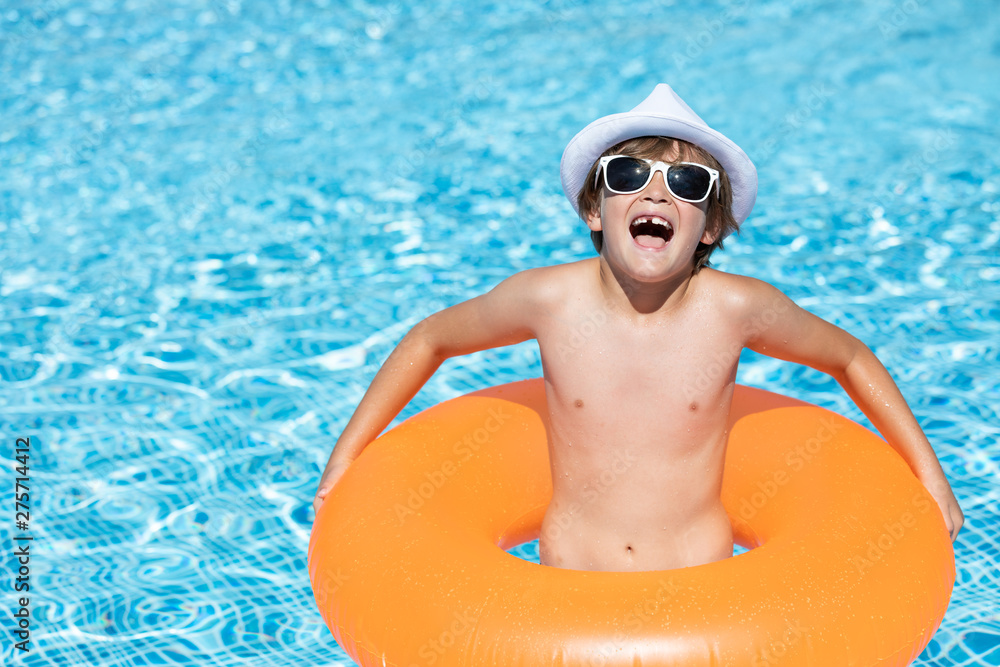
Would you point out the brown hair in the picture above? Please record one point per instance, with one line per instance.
(719, 217)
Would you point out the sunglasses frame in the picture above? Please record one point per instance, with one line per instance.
(655, 166)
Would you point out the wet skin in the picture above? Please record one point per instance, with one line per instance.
(639, 354)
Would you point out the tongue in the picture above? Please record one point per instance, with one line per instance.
(647, 241)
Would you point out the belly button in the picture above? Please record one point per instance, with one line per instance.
(629, 549)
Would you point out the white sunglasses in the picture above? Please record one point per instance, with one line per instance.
(687, 181)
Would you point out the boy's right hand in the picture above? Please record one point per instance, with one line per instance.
(334, 471)
(502, 316)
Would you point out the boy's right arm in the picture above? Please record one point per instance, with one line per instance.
(502, 316)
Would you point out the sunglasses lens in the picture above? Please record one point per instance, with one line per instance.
(626, 175)
(688, 181)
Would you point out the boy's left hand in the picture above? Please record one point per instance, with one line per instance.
(799, 336)
(941, 491)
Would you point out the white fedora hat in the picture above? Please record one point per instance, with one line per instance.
(662, 114)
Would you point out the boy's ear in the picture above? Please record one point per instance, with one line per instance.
(711, 232)
(593, 219)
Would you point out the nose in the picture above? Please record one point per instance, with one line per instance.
(657, 190)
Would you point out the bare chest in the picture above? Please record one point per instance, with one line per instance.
(666, 365)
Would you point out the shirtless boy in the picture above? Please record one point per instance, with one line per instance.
(637, 384)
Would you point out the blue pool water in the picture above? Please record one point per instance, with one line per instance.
(218, 217)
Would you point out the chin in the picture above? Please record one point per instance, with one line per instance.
(657, 266)
(654, 274)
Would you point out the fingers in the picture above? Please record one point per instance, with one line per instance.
(318, 500)
(327, 482)
(953, 519)
(957, 519)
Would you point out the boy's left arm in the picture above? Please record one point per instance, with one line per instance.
(796, 335)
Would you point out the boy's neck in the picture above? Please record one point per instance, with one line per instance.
(636, 297)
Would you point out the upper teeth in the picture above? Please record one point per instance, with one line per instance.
(652, 219)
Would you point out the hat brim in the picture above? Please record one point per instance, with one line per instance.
(587, 146)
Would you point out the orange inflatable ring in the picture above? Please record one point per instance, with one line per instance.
(851, 563)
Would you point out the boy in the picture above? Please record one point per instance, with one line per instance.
(659, 190)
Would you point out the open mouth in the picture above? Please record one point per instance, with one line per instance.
(651, 231)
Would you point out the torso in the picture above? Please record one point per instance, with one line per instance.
(638, 409)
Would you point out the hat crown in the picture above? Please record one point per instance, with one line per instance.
(662, 114)
(663, 101)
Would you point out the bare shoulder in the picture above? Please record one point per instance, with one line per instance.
(741, 293)
(511, 312)
(773, 324)
(548, 286)
(753, 306)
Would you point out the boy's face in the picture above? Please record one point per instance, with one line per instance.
(650, 234)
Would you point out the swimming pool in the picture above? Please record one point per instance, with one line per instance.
(218, 217)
